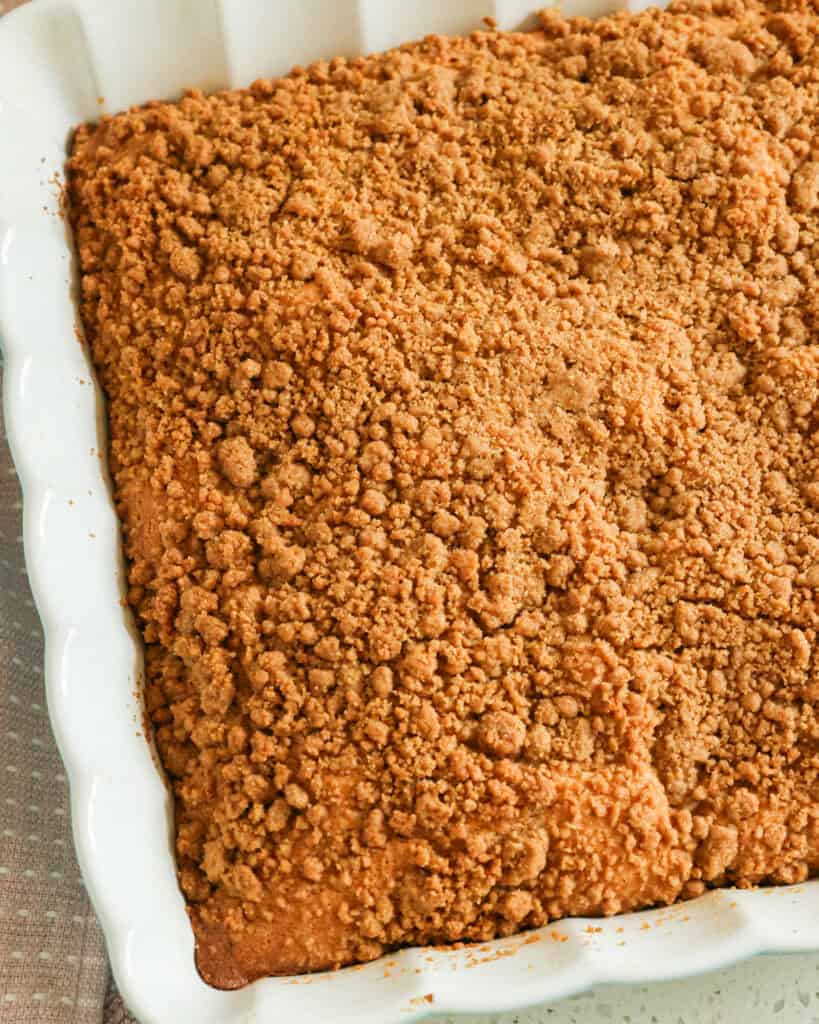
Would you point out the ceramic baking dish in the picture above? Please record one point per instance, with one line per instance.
(62, 62)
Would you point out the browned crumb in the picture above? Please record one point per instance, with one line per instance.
(463, 425)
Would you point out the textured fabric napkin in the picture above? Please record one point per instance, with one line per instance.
(52, 959)
(53, 968)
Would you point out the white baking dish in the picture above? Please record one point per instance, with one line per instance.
(58, 60)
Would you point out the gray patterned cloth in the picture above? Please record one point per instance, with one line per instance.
(53, 967)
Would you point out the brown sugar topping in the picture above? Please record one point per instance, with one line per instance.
(462, 409)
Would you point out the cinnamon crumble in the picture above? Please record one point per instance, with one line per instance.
(463, 427)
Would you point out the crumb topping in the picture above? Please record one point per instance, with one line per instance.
(462, 408)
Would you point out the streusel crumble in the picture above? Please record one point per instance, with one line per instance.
(463, 426)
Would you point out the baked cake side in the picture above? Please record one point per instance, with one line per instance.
(462, 407)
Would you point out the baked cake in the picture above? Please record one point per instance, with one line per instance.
(463, 427)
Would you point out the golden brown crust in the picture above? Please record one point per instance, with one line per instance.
(463, 425)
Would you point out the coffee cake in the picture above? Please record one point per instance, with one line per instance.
(462, 407)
